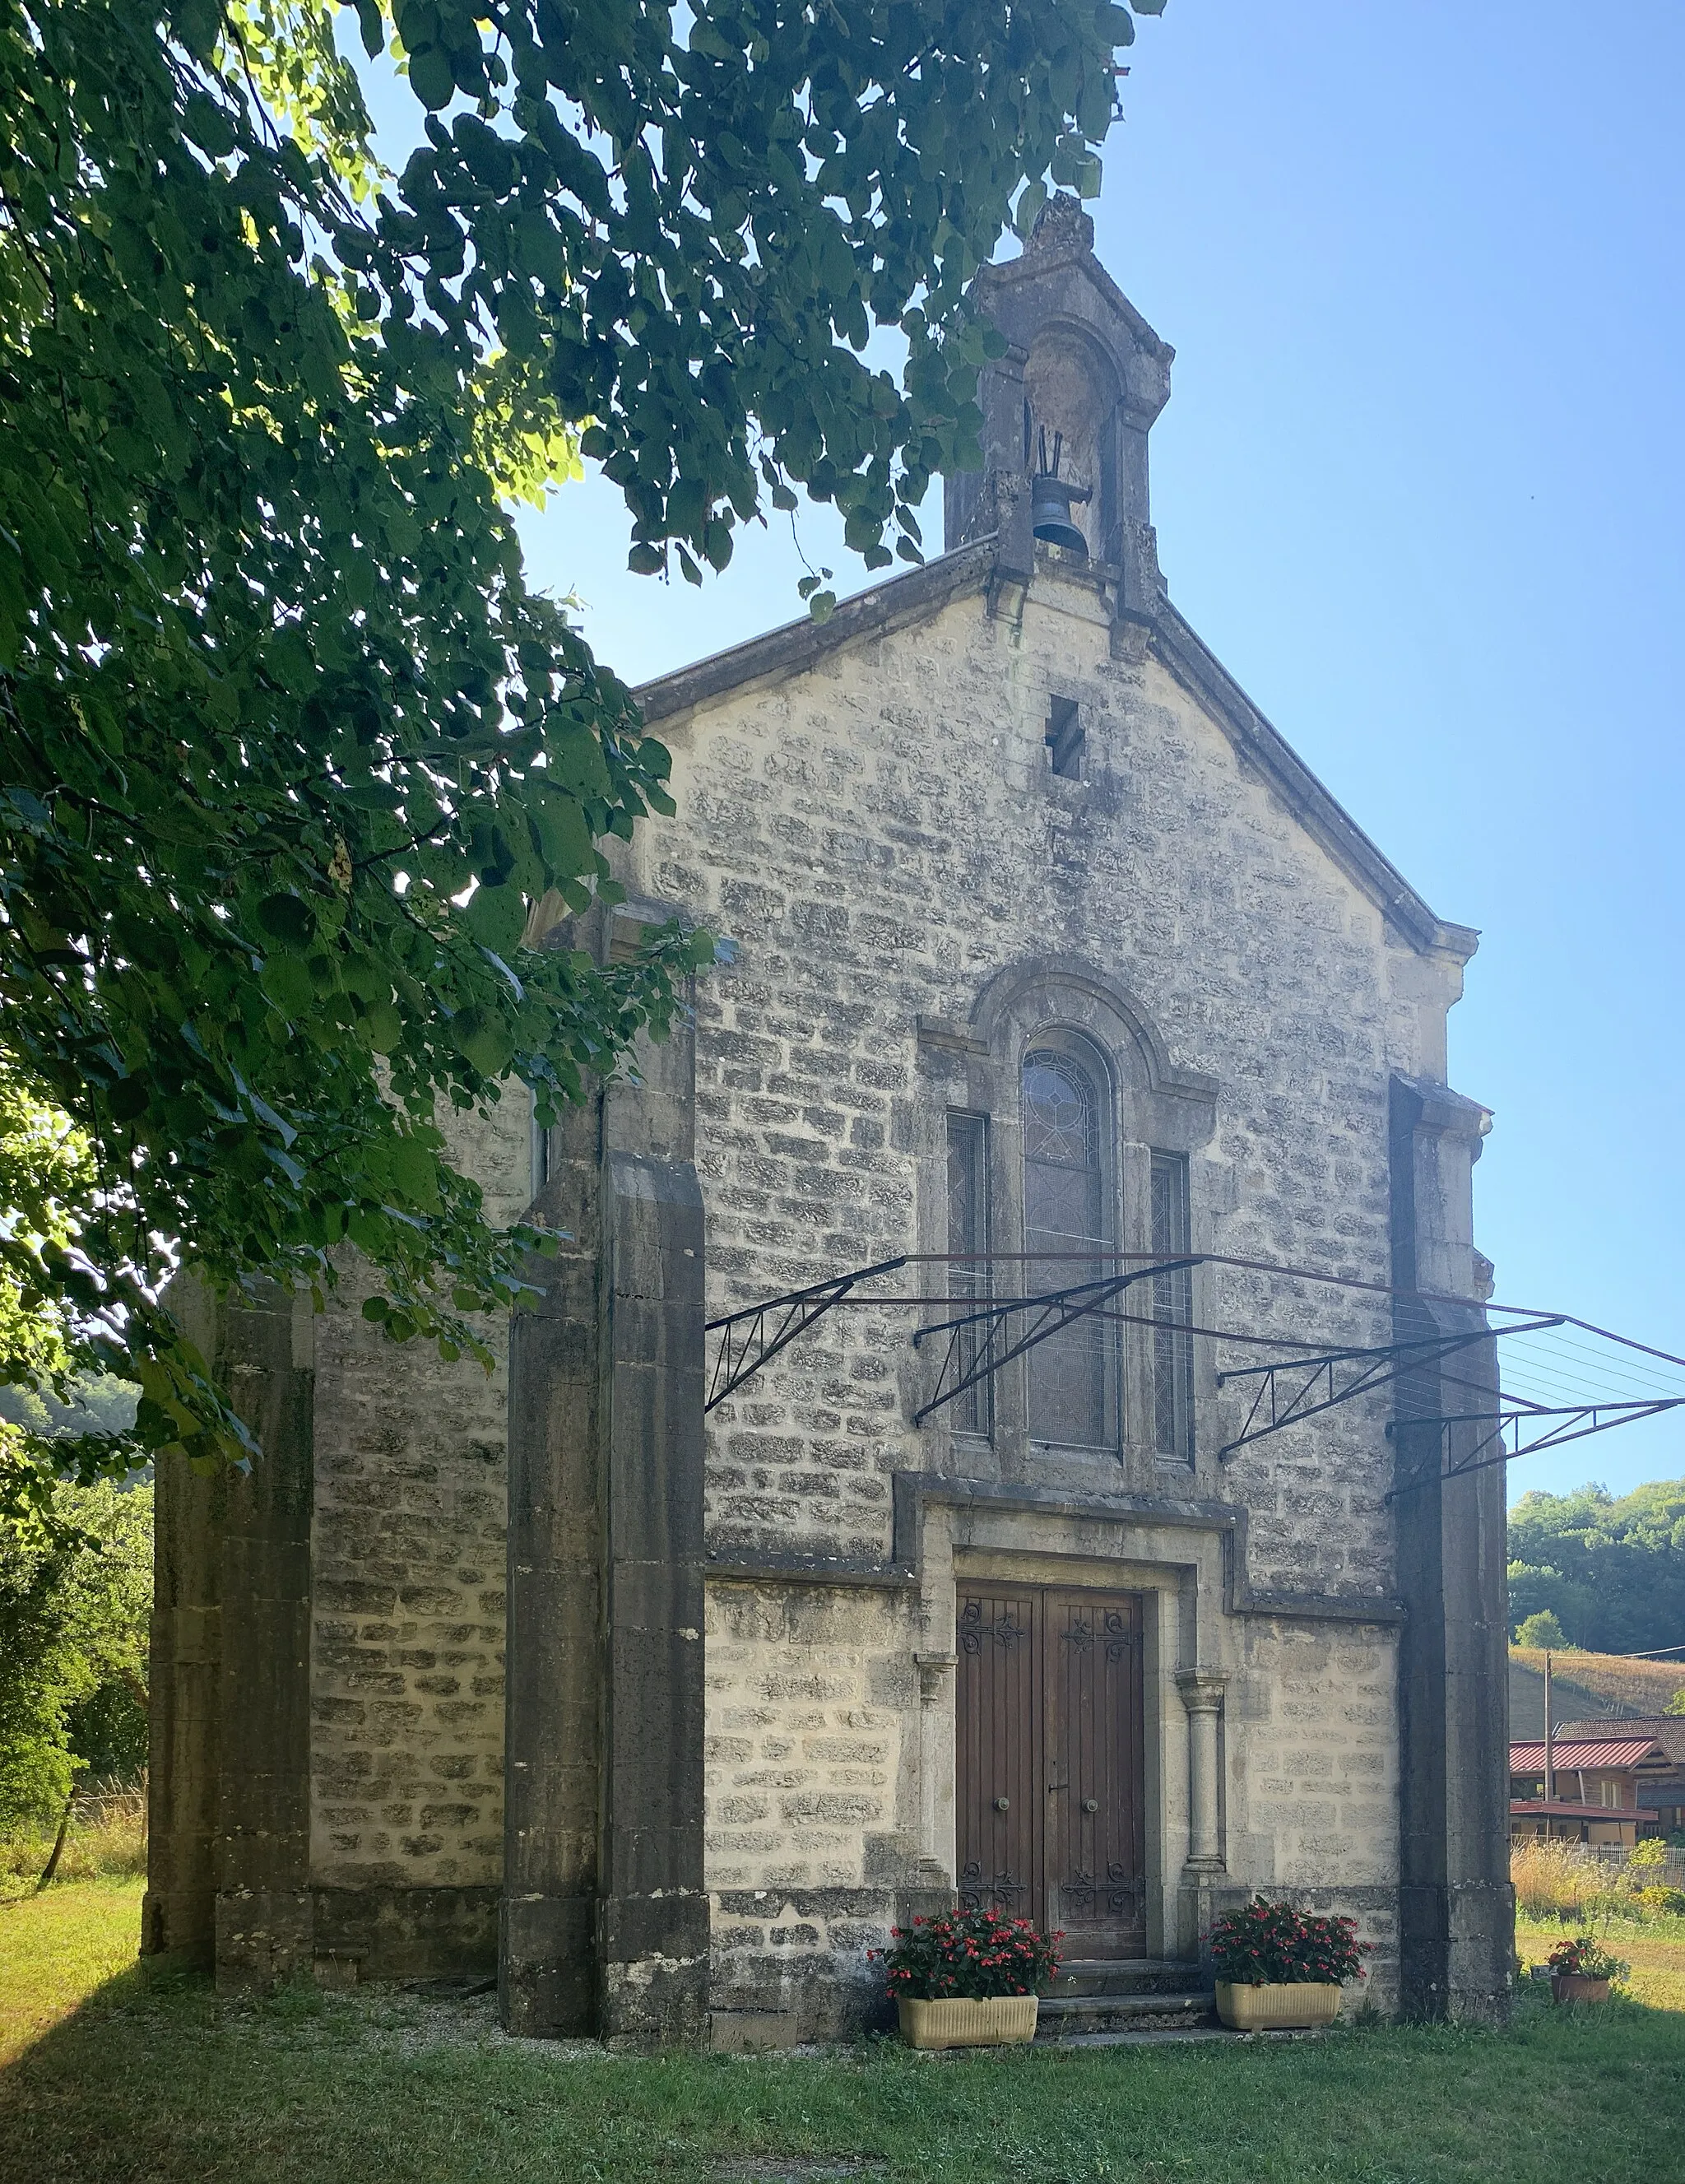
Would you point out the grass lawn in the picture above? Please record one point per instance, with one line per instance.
(150, 2082)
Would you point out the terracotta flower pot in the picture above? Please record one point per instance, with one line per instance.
(1279, 2006)
(1000, 2021)
(1576, 1986)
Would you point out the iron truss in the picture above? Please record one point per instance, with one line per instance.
(979, 1342)
(1293, 1389)
(749, 1339)
(1572, 1421)
(993, 1331)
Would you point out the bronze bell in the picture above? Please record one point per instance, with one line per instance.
(1050, 503)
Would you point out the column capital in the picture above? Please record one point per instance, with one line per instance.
(934, 1670)
(1202, 1688)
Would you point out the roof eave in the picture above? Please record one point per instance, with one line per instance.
(904, 597)
(1197, 667)
(798, 645)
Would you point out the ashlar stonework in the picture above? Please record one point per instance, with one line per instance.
(1048, 949)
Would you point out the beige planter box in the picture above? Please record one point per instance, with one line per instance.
(1001, 2022)
(1574, 1987)
(1290, 2005)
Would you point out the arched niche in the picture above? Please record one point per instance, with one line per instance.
(1071, 390)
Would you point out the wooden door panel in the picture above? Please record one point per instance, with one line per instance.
(1002, 1851)
(1096, 1885)
(1051, 1813)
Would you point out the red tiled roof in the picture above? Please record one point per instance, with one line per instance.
(1667, 1730)
(1559, 1808)
(1529, 1759)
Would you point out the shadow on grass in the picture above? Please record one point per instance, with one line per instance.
(154, 2082)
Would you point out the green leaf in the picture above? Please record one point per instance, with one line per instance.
(430, 78)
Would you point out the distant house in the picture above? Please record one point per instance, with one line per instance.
(1596, 1780)
(1661, 1776)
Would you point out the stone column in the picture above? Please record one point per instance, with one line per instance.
(605, 1925)
(229, 1857)
(653, 1914)
(184, 1778)
(552, 1715)
(1204, 1870)
(1456, 1907)
(1202, 1695)
(936, 1688)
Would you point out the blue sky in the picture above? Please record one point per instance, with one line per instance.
(1420, 485)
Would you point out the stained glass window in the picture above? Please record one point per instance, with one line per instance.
(1066, 1214)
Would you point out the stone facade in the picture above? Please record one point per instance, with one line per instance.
(751, 1700)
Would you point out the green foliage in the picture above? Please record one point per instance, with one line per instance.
(975, 1955)
(1540, 1629)
(1585, 1958)
(1263, 1943)
(1611, 1572)
(75, 1606)
(1676, 1703)
(290, 755)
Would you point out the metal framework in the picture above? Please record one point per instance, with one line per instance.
(995, 1330)
(971, 1360)
(748, 1339)
(1578, 1421)
(1370, 1368)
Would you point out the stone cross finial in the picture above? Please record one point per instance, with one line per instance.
(1061, 224)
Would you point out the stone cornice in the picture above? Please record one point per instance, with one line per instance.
(799, 645)
(914, 1490)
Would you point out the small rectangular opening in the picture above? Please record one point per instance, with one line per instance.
(1064, 738)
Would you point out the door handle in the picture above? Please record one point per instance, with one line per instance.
(1002, 1804)
(1091, 1804)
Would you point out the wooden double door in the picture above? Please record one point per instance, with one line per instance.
(1051, 1815)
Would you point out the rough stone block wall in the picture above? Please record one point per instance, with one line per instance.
(881, 833)
(408, 1558)
(811, 1845)
(1311, 1713)
(807, 1693)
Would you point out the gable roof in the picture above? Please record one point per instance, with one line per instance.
(923, 592)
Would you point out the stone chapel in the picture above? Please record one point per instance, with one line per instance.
(658, 1689)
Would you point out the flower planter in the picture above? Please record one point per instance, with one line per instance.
(1574, 1987)
(1285, 2006)
(1000, 2021)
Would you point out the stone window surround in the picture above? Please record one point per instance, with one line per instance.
(975, 1068)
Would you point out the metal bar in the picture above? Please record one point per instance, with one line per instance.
(1055, 1317)
(740, 1360)
(1630, 1413)
(1388, 1349)
(837, 1282)
(1395, 1364)
(1383, 1364)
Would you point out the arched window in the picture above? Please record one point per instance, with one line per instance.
(1067, 1214)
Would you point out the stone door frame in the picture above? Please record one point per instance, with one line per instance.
(1189, 1655)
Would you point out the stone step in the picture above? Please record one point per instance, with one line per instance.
(1062, 2017)
(1100, 1975)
